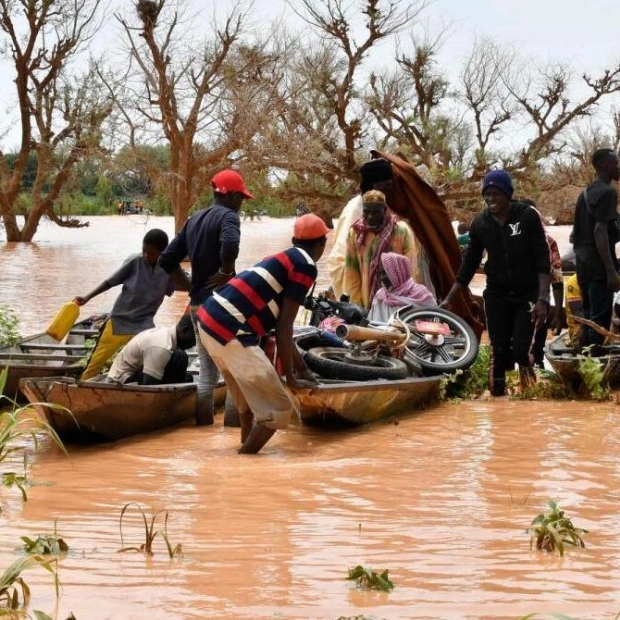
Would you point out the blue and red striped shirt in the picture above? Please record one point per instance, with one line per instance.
(248, 306)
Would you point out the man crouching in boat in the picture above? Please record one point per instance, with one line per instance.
(232, 320)
(155, 356)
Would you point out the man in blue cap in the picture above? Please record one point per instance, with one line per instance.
(516, 298)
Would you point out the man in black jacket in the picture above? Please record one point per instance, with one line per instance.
(595, 233)
(516, 298)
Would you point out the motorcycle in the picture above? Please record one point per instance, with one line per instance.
(416, 340)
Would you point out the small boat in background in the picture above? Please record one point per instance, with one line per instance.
(43, 356)
(566, 361)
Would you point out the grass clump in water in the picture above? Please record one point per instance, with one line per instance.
(369, 579)
(470, 383)
(46, 544)
(150, 533)
(550, 531)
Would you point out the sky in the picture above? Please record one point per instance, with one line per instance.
(543, 30)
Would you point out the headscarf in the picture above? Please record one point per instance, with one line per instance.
(404, 290)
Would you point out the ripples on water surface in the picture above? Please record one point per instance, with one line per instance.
(441, 499)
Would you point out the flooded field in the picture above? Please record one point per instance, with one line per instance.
(441, 498)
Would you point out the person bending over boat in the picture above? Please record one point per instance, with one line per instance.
(516, 297)
(375, 233)
(145, 284)
(264, 297)
(155, 356)
(397, 288)
(210, 238)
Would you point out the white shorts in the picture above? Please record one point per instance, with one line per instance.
(252, 381)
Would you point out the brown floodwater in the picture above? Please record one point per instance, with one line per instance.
(440, 497)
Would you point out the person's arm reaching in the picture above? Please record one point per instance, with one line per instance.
(296, 373)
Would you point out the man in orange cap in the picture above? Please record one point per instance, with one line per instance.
(264, 297)
(210, 238)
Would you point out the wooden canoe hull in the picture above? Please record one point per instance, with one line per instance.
(361, 403)
(565, 362)
(93, 411)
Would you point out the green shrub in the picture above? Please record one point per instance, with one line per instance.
(9, 333)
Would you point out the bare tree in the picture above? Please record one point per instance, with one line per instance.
(486, 97)
(409, 105)
(206, 103)
(60, 113)
(547, 106)
(329, 105)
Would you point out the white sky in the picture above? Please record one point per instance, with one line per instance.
(582, 34)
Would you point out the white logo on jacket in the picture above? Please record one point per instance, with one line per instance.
(515, 228)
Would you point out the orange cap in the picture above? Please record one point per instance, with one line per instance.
(228, 181)
(310, 226)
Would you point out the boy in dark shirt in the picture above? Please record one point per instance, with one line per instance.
(145, 284)
(595, 234)
(516, 298)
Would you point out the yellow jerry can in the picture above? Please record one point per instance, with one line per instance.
(63, 321)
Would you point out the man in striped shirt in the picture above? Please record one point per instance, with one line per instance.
(264, 297)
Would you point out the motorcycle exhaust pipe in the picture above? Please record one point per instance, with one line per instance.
(355, 332)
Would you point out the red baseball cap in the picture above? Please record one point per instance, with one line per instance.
(228, 181)
(310, 226)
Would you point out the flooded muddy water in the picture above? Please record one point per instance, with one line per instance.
(441, 498)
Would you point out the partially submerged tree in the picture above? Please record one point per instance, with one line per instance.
(60, 112)
(206, 103)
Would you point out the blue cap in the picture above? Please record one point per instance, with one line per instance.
(499, 179)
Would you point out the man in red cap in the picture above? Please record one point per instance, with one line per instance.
(210, 238)
(264, 297)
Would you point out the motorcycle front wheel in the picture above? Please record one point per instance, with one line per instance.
(439, 341)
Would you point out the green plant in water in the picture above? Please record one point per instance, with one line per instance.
(592, 373)
(15, 426)
(470, 383)
(9, 323)
(369, 579)
(150, 532)
(46, 544)
(552, 530)
(14, 590)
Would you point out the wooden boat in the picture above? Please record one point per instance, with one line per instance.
(360, 402)
(363, 402)
(43, 356)
(565, 361)
(97, 411)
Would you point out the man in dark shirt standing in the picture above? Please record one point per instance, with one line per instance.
(595, 234)
(516, 298)
(210, 238)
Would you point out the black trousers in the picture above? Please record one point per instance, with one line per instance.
(511, 332)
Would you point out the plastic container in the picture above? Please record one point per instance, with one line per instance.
(63, 321)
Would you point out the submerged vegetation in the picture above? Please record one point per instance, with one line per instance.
(9, 326)
(46, 544)
(550, 531)
(473, 382)
(150, 533)
(369, 579)
(18, 431)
